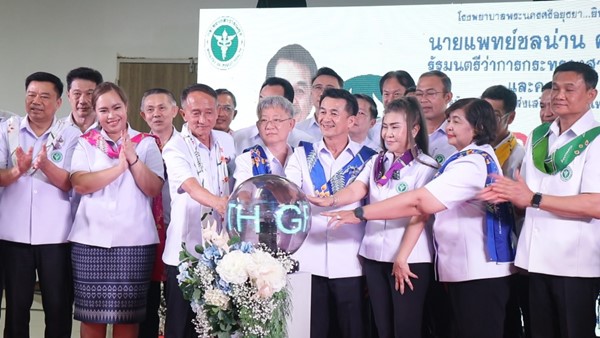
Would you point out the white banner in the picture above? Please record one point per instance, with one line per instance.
(517, 45)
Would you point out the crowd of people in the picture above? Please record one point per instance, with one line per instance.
(433, 221)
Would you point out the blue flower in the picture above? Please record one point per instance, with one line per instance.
(245, 247)
(223, 286)
(211, 256)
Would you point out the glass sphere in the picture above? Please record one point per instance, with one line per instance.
(269, 209)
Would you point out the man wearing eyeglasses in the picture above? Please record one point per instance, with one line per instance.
(249, 136)
(275, 123)
(226, 111)
(510, 153)
(434, 92)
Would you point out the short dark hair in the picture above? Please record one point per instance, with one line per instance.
(334, 93)
(402, 76)
(507, 96)
(157, 91)
(295, 53)
(372, 105)
(589, 74)
(446, 82)
(288, 90)
(547, 86)
(223, 91)
(84, 73)
(106, 87)
(480, 115)
(46, 77)
(328, 72)
(411, 107)
(410, 90)
(197, 87)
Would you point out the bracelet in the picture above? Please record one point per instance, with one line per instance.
(137, 158)
(334, 201)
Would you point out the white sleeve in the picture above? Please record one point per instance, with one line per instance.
(179, 167)
(367, 172)
(79, 160)
(243, 168)
(293, 169)
(462, 180)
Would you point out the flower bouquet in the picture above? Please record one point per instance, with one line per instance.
(236, 287)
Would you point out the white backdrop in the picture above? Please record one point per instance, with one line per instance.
(478, 45)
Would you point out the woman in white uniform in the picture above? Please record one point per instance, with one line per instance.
(117, 172)
(402, 167)
(473, 250)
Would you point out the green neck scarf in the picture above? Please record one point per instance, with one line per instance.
(561, 157)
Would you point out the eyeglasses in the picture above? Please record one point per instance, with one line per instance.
(276, 122)
(501, 117)
(226, 108)
(427, 94)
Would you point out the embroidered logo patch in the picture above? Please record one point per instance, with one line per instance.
(440, 158)
(566, 174)
(402, 187)
(56, 156)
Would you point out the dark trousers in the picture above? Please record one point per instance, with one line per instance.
(396, 315)
(53, 265)
(337, 307)
(517, 323)
(149, 327)
(562, 306)
(438, 319)
(479, 306)
(178, 322)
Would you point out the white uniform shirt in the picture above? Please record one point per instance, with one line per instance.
(375, 131)
(71, 122)
(328, 252)
(119, 214)
(248, 137)
(382, 238)
(555, 245)
(375, 145)
(32, 210)
(244, 165)
(459, 232)
(439, 148)
(310, 126)
(515, 159)
(186, 213)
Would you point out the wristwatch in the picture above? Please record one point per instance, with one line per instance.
(536, 200)
(358, 213)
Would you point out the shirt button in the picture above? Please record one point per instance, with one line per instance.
(35, 191)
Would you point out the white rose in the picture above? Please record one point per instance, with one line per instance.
(234, 266)
(268, 274)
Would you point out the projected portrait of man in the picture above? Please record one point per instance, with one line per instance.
(295, 64)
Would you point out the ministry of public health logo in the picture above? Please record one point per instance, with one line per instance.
(224, 42)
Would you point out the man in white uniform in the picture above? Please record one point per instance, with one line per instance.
(196, 161)
(35, 212)
(323, 79)
(158, 109)
(81, 83)
(560, 187)
(434, 92)
(249, 136)
(331, 254)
